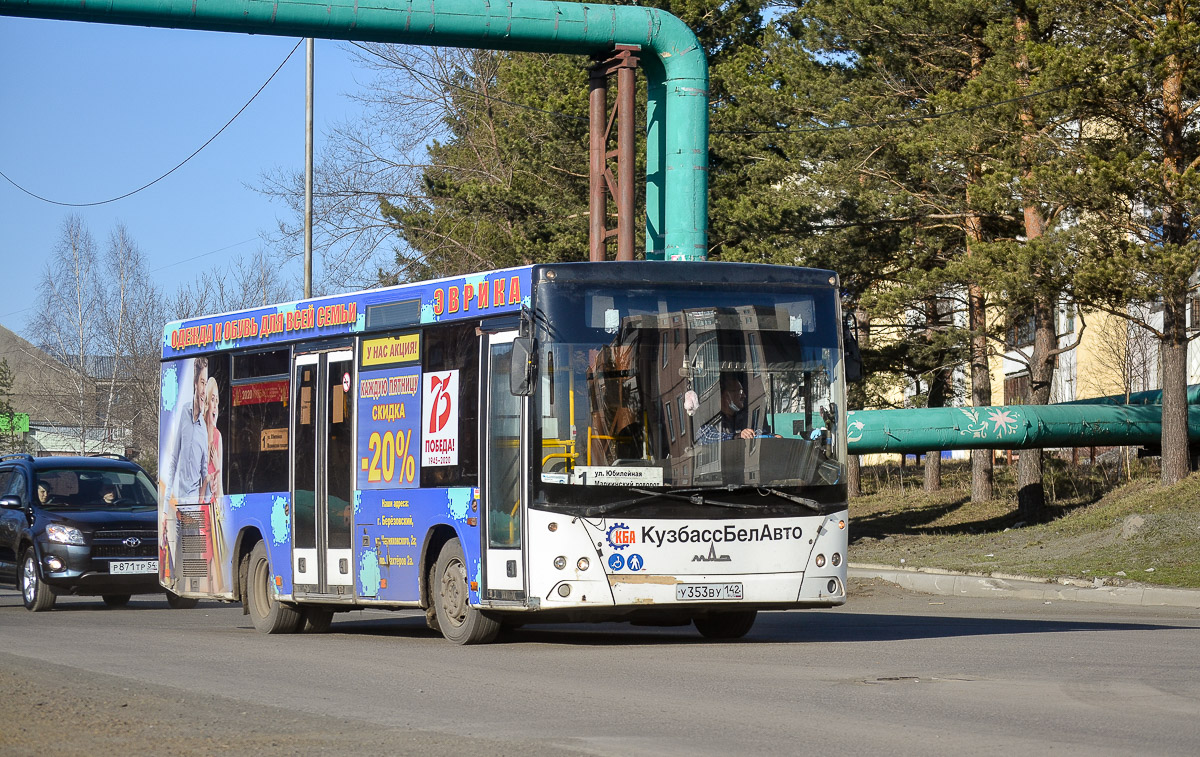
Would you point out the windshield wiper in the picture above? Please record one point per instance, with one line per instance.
(811, 504)
(694, 496)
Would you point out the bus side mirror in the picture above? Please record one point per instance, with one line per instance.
(521, 370)
(852, 361)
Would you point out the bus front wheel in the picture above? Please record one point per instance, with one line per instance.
(457, 619)
(268, 613)
(726, 625)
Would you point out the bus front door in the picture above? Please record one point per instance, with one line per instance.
(322, 476)
(504, 473)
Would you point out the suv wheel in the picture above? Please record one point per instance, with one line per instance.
(37, 594)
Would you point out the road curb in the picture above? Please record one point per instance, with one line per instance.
(950, 583)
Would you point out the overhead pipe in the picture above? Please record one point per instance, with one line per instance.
(674, 63)
(1150, 397)
(920, 430)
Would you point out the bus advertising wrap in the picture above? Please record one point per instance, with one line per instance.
(432, 302)
(389, 413)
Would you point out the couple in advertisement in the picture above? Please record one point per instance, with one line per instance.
(192, 465)
(191, 474)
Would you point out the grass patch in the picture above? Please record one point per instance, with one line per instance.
(1099, 525)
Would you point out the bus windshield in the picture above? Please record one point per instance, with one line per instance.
(688, 387)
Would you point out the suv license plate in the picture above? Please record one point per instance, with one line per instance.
(695, 592)
(133, 566)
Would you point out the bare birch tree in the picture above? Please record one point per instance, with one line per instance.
(243, 283)
(64, 327)
(98, 325)
(131, 316)
(380, 156)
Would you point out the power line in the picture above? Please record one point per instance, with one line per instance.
(173, 170)
(202, 255)
(161, 267)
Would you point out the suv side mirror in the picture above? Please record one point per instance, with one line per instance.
(11, 502)
(522, 369)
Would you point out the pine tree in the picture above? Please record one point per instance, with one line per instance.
(1140, 241)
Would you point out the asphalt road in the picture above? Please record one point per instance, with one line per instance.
(891, 673)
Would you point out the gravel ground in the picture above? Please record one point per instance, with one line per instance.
(46, 709)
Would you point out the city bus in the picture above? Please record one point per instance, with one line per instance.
(659, 443)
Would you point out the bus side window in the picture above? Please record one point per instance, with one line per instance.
(256, 450)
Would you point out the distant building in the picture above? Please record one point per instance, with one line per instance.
(61, 403)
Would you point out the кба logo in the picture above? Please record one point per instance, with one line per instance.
(621, 536)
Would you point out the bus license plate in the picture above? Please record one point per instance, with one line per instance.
(693, 592)
(133, 566)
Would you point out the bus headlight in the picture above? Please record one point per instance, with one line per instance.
(560, 562)
(583, 564)
(820, 561)
(836, 559)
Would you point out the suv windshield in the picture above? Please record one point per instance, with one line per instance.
(688, 387)
(94, 487)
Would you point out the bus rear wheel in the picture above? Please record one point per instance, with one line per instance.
(457, 619)
(268, 614)
(726, 625)
(317, 619)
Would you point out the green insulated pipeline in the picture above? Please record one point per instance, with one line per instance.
(920, 430)
(674, 63)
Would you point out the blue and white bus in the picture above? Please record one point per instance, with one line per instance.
(653, 442)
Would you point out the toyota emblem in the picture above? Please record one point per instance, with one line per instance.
(132, 541)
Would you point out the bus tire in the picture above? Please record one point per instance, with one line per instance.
(431, 620)
(458, 620)
(268, 614)
(317, 620)
(726, 625)
(176, 602)
(36, 593)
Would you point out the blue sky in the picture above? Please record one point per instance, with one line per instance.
(92, 111)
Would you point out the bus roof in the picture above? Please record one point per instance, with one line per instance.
(453, 298)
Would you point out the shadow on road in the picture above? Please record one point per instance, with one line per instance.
(771, 628)
(795, 627)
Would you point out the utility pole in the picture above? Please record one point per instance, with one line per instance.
(308, 170)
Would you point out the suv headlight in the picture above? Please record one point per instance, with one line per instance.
(64, 534)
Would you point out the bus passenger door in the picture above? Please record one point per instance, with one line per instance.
(323, 474)
(503, 419)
